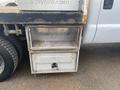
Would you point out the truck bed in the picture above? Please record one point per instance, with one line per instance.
(11, 15)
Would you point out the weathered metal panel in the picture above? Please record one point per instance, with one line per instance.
(44, 62)
(54, 37)
(85, 11)
(41, 18)
(50, 5)
(12, 15)
(43, 56)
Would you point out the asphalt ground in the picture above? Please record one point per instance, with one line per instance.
(99, 69)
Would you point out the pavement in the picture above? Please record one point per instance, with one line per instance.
(99, 69)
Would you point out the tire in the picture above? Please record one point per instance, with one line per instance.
(18, 46)
(15, 41)
(8, 56)
(11, 4)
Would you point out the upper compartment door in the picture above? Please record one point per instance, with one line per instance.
(50, 5)
(108, 27)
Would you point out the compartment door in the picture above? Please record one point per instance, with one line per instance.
(108, 27)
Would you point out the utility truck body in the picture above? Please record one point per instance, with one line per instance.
(54, 31)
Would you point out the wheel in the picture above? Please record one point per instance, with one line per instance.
(15, 41)
(17, 44)
(8, 59)
(11, 4)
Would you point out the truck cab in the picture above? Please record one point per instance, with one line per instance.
(103, 22)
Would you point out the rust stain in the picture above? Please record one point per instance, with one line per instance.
(85, 19)
(85, 11)
(9, 10)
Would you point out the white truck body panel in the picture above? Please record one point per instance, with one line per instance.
(41, 63)
(50, 5)
(108, 28)
(103, 24)
(90, 28)
(53, 49)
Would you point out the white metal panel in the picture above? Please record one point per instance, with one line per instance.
(54, 37)
(62, 67)
(108, 29)
(66, 58)
(62, 5)
(5, 2)
(54, 57)
(93, 15)
(42, 62)
(54, 45)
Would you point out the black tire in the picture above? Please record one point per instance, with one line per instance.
(11, 4)
(10, 58)
(14, 40)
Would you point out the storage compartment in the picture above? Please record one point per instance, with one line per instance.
(43, 62)
(54, 37)
(51, 5)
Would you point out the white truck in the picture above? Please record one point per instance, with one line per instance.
(54, 31)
